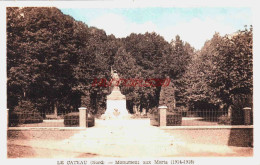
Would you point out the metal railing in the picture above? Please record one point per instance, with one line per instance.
(80, 118)
(206, 117)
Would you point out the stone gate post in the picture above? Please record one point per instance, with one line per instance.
(247, 115)
(82, 117)
(162, 111)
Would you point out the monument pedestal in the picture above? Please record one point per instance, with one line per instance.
(116, 105)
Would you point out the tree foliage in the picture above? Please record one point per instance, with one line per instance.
(167, 97)
(52, 61)
(221, 71)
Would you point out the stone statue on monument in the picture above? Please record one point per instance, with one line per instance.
(116, 101)
(116, 79)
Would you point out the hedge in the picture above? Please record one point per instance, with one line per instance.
(72, 120)
(24, 113)
(16, 118)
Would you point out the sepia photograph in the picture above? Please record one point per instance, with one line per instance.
(129, 82)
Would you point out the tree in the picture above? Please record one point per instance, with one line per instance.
(233, 74)
(150, 52)
(52, 61)
(181, 56)
(128, 69)
(167, 97)
(220, 71)
(199, 74)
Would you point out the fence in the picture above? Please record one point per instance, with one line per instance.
(238, 114)
(80, 118)
(206, 117)
(213, 117)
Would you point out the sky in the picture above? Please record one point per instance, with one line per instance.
(193, 25)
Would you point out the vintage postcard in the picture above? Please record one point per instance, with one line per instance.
(131, 82)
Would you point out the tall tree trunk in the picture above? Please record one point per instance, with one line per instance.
(174, 103)
(230, 112)
(134, 109)
(138, 109)
(86, 99)
(24, 93)
(144, 111)
(56, 104)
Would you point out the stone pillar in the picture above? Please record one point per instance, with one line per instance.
(162, 111)
(82, 117)
(7, 118)
(247, 115)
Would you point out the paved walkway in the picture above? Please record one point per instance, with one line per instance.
(131, 138)
(124, 138)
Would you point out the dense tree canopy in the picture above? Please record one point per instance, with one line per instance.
(52, 61)
(43, 43)
(221, 70)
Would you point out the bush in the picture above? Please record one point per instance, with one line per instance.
(154, 120)
(153, 111)
(139, 116)
(182, 110)
(72, 119)
(24, 113)
(174, 119)
(167, 97)
(224, 119)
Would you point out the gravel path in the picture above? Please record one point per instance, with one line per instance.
(115, 138)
